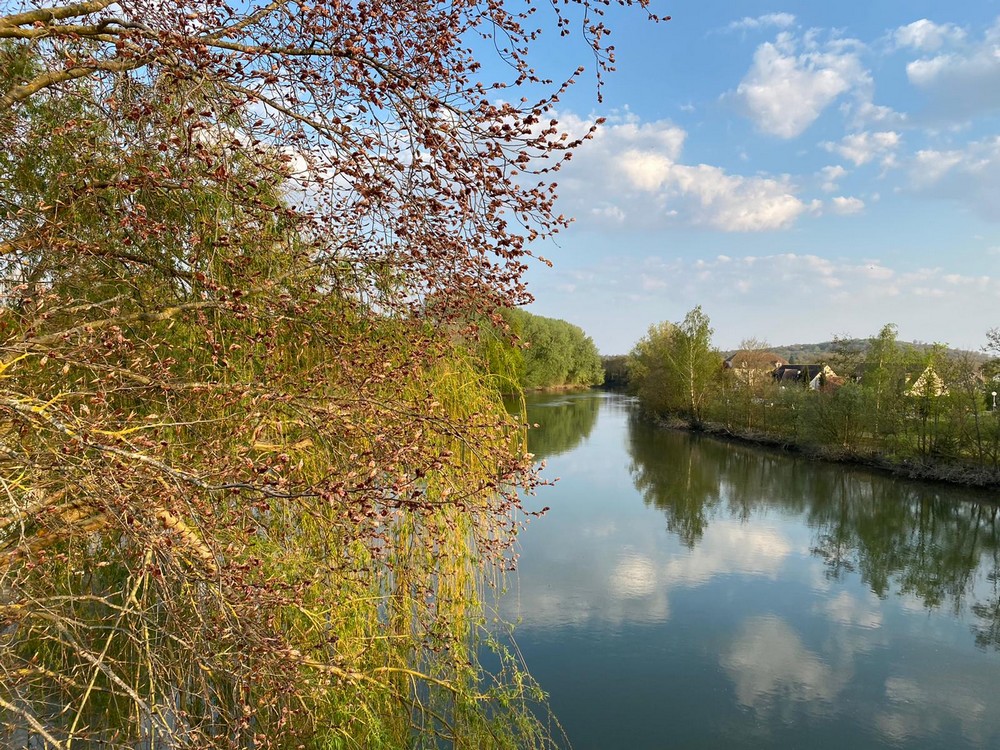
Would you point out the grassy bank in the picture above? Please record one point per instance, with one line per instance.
(923, 469)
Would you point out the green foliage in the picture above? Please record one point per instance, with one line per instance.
(548, 353)
(243, 507)
(835, 418)
(674, 368)
(650, 374)
(922, 403)
(503, 360)
(616, 371)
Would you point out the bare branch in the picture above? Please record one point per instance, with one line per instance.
(54, 13)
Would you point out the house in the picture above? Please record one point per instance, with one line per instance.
(928, 383)
(815, 376)
(753, 365)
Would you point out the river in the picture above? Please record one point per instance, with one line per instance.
(684, 592)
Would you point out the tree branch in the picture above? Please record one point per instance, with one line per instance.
(58, 13)
(53, 77)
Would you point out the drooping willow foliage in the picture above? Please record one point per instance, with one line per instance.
(254, 472)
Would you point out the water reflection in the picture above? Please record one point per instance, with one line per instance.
(785, 604)
(773, 671)
(903, 538)
(563, 421)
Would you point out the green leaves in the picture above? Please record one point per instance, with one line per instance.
(549, 352)
(674, 368)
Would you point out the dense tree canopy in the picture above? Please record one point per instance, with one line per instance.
(673, 368)
(554, 352)
(250, 460)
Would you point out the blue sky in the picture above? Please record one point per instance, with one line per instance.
(800, 170)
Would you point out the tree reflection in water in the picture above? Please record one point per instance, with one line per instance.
(562, 424)
(936, 543)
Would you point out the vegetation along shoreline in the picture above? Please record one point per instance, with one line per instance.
(916, 411)
(928, 471)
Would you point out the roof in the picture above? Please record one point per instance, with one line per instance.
(806, 373)
(754, 359)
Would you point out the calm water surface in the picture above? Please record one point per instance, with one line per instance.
(688, 593)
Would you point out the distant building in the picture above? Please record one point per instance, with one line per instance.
(928, 383)
(751, 366)
(814, 376)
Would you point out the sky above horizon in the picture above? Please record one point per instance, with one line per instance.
(800, 170)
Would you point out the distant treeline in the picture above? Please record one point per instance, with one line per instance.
(615, 370)
(884, 400)
(538, 352)
(846, 349)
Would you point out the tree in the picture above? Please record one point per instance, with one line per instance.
(748, 384)
(883, 378)
(754, 344)
(554, 352)
(993, 340)
(966, 418)
(991, 373)
(674, 366)
(928, 393)
(992, 367)
(836, 418)
(694, 360)
(648, 369)
(615, 370)
(251, 463)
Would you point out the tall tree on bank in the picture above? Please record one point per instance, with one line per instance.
(249, 468)
(649, 371)
(674, 366)
(696, 363)
(883, 379)
(992, 348)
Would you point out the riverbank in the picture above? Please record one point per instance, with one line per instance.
(567, 388)
(924, 470)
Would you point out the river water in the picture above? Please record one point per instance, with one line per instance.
(688, 593)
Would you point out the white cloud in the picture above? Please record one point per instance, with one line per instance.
(924, 72)
(651, 283)
(611, 214)
(861, 148)
(927, 36)
(757, 294)
(645, 184)
(929, 166)
(970, 175)
(785, 92)
(831, 176)
(645, 170)
(962, 82)
(734, 203)
(768, 20)
(864, 112)
(846, 206)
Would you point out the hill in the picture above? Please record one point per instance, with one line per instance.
(841, 349)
